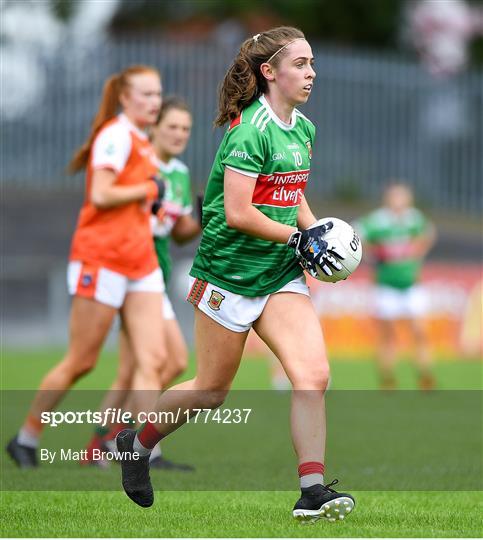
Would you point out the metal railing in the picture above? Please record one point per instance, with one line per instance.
(377, 117)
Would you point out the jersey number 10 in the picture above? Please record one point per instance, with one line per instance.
(297, 158)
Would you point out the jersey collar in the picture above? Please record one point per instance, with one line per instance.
(139, 132)
(280, 123)
(166, 167)
(393, 216)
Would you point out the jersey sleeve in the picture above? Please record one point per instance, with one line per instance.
(245, 150)
(111, 148)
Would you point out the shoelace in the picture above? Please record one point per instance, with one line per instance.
(333, 483)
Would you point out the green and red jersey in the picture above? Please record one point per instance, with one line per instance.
(391, 237)
(177, 202)
(258, 145)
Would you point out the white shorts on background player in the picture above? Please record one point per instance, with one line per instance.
(108, 287)
(391, 303)
(235, 311)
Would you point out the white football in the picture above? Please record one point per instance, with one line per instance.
(347, 242)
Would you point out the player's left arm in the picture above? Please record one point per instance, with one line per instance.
(186, 229)
(305, 217)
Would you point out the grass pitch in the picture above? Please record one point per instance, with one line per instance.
(234, 513)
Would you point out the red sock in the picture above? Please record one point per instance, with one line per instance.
(148, 435)
(311, 473)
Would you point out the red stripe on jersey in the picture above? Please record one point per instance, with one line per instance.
(280, 189)
(394, 250)
(235, 122)
(311, 467)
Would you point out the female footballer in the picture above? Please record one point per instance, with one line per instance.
(113, 265)
(247, 271)
(169, 138)
(399, 237)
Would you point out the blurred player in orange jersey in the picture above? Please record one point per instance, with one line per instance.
(169, 138)
(398, 237)
(113, 266)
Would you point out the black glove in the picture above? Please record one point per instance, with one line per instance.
(311, 250)
(158, 202)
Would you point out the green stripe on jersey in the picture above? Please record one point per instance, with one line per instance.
(277, 156)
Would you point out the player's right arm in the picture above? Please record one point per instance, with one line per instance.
(305, 216)
(245, 154)
(242, 215)
(244, 157)
(106, 194)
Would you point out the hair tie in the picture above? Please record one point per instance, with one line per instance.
(255, 37)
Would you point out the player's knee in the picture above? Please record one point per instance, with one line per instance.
(151, 364)
(316, 378)
(321, 378)
(152, 371)
(81, 357)
(214, 398)
(78, 367)
(209, 396)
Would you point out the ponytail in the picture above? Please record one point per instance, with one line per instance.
(240, 87)
(108, 108)
(243, 82)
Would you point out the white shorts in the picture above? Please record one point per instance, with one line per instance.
(106, 286)
(391, 303)
(168, 311)
(235, 311)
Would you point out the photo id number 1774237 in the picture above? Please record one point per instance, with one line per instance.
(218, 416)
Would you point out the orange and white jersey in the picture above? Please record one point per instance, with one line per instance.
(118, 238)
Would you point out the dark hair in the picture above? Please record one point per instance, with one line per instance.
(172, 103)
(244, 82)
(108, 108)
